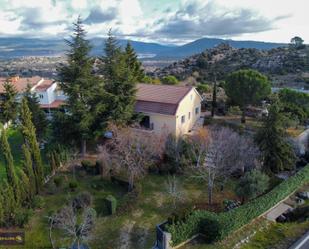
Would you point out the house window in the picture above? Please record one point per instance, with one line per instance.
(189, 115)
(41, 96)
(183, 119)
(197, 110)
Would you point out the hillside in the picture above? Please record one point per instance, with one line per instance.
(21, 47)
(283, 65)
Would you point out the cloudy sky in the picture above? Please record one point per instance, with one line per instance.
(163, 21)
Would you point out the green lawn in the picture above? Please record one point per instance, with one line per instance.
(134, 229)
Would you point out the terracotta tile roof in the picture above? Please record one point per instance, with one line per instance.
(54, 105)
(45, 85)
(20, 83)
(161, 99)
(161, 93)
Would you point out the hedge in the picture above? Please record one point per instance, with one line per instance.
(228, 222)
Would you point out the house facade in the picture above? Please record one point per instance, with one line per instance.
(47, 90)
(173, 108)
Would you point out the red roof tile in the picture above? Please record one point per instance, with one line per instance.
(161, 99)
(20, 83)
(45, 85)
(54, 105)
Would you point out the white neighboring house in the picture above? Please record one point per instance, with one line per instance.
(47, 90)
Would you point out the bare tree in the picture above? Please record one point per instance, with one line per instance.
(174, 190)
(78, 229)
(221, 153)
(132, 151)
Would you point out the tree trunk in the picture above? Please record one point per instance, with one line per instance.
(131, 183)
(209, 193)
(214, 99)
(243, 116)
(84, 147)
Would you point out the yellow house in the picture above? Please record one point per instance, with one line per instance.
(172, 108)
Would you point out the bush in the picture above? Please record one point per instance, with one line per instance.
(234, 110)
(58, 181)
(91, 167)
(38, 202)
(22, 216)
(129, 200)
(170, 80)
(111, 204)
(228, 222)
(73, 185)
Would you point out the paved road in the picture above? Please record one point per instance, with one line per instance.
(302, 243)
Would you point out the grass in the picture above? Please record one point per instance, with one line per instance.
(134, 229)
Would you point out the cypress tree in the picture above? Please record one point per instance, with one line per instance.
(29, 134)
(25, 188)
(38, 117)
(277, 152)
(86, 100)
(10, 205)
(2, 218)
(28, 170)
(9, 162)
(9, 105)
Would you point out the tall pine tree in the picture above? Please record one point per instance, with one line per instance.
(121, 71)
(87, 101)
(8, 105)
(277, 153)
(29, 134)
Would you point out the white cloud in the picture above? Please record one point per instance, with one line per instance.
(274, 20)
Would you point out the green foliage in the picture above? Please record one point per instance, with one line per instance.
(227, 222)
(170, 80)
(148, 80)
(234, 110)
(295, 104)
(38, 202)
(29, 134)
(58, 181)
(203, 88)
(87, 100)
(28, 170)
(90, 167)
(271, 138)
(122, 71)
(9, 162)
(38, 117)
(245, 87)
(8, 104)
(73, 184)
(252, 184)
(111, 203)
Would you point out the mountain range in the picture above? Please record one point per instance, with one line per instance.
(20, 47)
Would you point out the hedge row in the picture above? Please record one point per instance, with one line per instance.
(227, 222)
